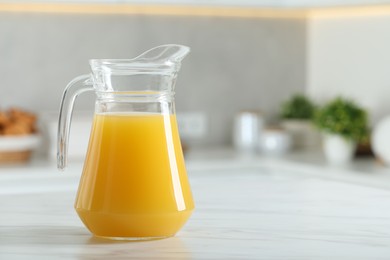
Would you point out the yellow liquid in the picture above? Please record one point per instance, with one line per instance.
(134, 182)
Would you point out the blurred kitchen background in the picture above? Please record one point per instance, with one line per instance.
(246, 55)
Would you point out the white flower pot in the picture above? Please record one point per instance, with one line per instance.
(303, 133)
(337, 149)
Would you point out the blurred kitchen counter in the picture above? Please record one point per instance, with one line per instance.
(247, 207)
(364, 170)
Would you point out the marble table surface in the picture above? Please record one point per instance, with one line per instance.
(244, 210)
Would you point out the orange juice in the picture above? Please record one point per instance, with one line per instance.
(134, 182)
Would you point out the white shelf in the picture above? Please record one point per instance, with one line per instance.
(237, 3)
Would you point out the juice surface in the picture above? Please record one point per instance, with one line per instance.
(134, 181)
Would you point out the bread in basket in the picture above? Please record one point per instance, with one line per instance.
(18, 135)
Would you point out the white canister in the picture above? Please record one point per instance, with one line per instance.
(246, 132)
(275, 141)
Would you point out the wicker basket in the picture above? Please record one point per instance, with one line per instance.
(15, 157)
(17, 149)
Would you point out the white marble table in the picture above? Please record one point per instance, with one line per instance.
(243, 211)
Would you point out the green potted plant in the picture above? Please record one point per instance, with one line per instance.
(296, 115)
(344, 124)
(298, 107)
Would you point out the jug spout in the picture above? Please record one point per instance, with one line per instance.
(169, 54)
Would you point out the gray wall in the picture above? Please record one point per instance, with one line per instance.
(235, 64)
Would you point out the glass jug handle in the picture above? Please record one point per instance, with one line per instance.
(74, 88)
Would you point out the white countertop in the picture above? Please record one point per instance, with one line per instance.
(296, 207)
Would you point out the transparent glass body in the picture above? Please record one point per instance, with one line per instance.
(134, 183)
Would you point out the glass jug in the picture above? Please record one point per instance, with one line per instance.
(134, 183)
